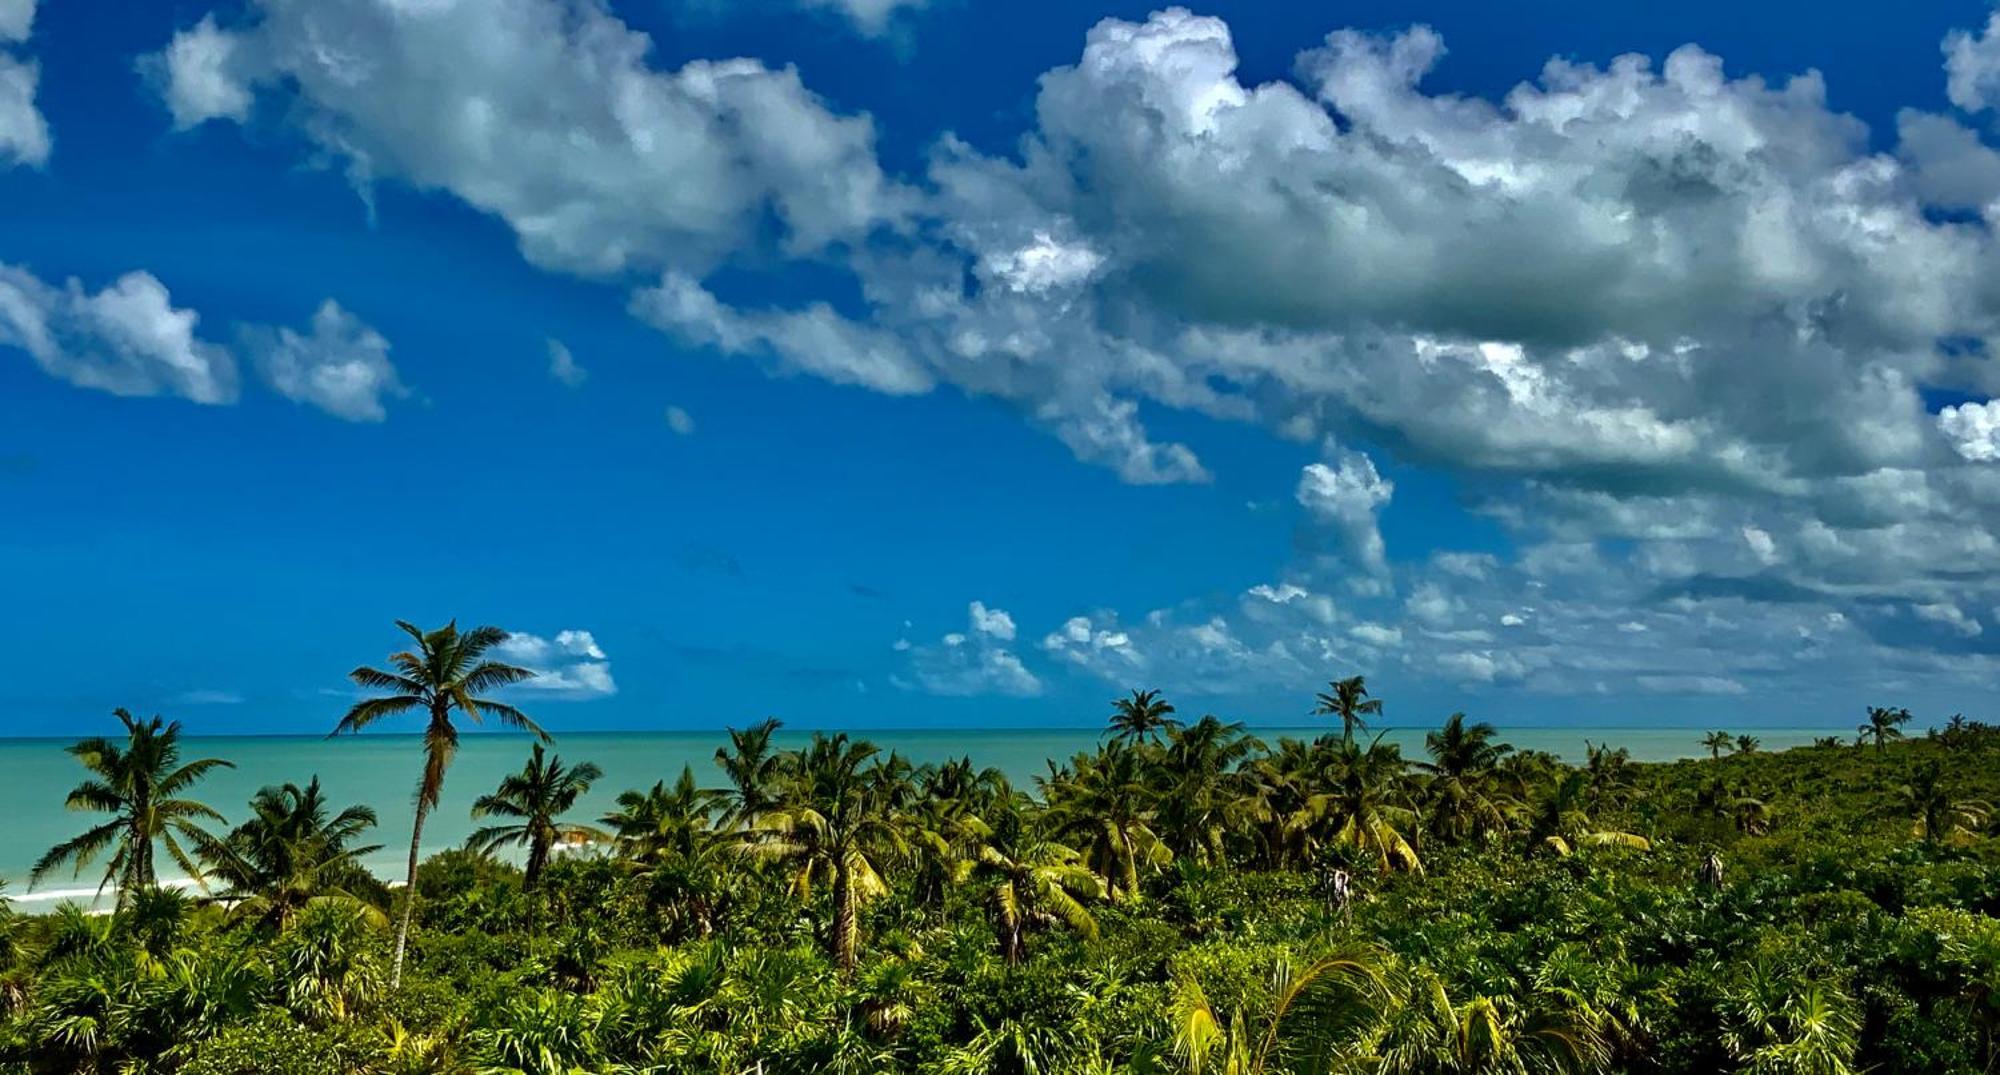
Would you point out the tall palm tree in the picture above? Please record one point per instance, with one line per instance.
(1030, 881)
(533, 801)
(1935, 814)
(1100, 805)
(1461, 795)
(828, 825)
(444, 677)
(1717, 742)
(140, 783)
(1141, 717)
(291, 852)
(1348, 699)
(1883, 725)
(754, 770)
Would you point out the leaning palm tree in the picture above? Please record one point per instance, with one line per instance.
(1141, 717)
(1936, 815)
(1348, 699)
(140, 783)
(828, 825)
(533, 802)
(1883, 725)
(444, 677)
(291, 853)
(1717, 742)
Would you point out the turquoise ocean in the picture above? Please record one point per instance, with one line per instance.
(381, 771)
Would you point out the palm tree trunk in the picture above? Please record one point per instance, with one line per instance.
(846, 930)
(409, 895)
(538, 857)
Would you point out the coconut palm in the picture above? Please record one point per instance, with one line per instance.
(828, 826)
(141, 783)
(1100, 805)
(534, 801)
(1428, 1033)
(1717, 742)
(1609, 774)
(1348, 699)
(1141, 717)
(1201, 793)
(1560, 821)
(1883, 725)
(1748, 744)
(754, 770)
(291, 852)
(1936, 815)
(1030, 882)
(446, 676)
(1462, 799)
(1363, 808)
(663, 823)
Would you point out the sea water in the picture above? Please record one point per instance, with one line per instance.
(381, 771)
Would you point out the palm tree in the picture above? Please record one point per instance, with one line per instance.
(1201, 793)
(140, 783)
(1748, 744)
(1029, 881)
(1100, 805)
(1609, 773)
(534, 800)
(1141, 717)
(753, 769)
(1883, 725)
(1348, 699)
(1460, 792)
(446, 675)
(1717, 742)
(829, 825)
(1560, 820)
(666, 824)
(291, 853)
(1363, 808)
(1937, 816)
(1302, 1023)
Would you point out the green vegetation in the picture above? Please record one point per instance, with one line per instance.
(1183, 899)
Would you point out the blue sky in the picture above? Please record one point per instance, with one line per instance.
(972, 363)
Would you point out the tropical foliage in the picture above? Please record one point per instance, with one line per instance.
(1184, 898)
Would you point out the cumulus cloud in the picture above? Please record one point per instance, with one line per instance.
(1674, 332)
(975, 661)
(569, 665)
(24, 134)
(338, 364)
(126, 338)
(550, 115)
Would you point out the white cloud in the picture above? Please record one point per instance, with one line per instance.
(549, 115)
(127, 338)
(972, 662)
(1949, 615)
(570, 665)
(1972, 67)
(24, 134)
(339, 364)
(680, 421)
(208, 697)
(563, 365)
(1346, 496)
(1974, 429)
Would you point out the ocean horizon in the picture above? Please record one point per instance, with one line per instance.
(380, 770)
